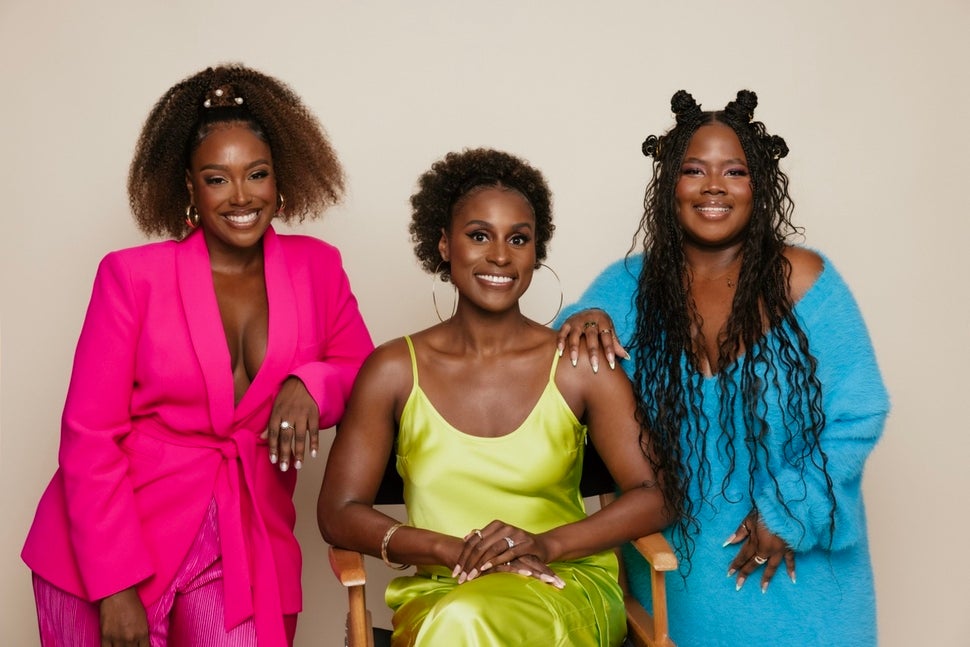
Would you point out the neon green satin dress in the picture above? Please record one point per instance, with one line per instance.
(454, 483)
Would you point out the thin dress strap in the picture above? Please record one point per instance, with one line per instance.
(414, 361)
(552, 371)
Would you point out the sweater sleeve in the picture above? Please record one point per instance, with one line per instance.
(347, 345)
(105, 527)
(613, 291)
(856, 404)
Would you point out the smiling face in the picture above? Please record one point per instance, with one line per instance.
(490, 246)
(231, 182)
(713, 193)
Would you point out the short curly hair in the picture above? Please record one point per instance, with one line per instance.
(307, 170)
(458, 174)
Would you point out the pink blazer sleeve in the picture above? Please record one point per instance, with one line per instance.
(348, 342)
(105, 529)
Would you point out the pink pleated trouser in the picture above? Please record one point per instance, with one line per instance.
(191, 612)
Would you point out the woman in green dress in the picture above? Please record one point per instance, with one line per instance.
(489, 433)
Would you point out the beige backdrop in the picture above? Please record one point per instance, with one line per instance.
(870, 96)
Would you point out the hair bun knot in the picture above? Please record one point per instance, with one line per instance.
(742, 108)
(684, 107)
(777, 147)
(651, 146)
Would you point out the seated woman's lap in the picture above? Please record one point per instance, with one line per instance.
(508, 609)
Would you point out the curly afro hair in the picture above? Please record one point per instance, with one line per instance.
(456, 175)
(307, 171)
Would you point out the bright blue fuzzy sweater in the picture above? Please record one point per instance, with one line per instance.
(833, 602)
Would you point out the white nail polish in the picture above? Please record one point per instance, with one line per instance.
(284, 466)
(272, 459)
(313, 453)
(298, 464)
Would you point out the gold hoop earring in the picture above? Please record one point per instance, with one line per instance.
(279, 210)
(559, 281)
(434, 297)
(192, 217)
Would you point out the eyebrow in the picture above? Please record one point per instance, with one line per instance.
(223, 167)
(697, 160)
(488, 225)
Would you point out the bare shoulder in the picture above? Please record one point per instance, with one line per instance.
(389, 363)
(806, 267)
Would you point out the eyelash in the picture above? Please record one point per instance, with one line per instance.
(693, 172)
(518, 239)
(218, 179)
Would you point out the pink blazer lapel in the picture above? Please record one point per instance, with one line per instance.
(283, 332)
(204, 322)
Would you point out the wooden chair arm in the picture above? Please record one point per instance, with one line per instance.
(348, 566)
(656, 549)
(642, 629)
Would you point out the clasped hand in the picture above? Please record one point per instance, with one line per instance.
(502, 548)
(760, 547)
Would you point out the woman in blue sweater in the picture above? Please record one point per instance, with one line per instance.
(752, 362)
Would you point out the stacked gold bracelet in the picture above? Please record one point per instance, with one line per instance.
(384, 542)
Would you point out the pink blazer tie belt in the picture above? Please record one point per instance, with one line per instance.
(250, 578)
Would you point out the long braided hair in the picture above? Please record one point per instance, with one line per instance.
(761, 326)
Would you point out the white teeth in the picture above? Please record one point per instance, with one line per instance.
(244, 219)
(495, 279)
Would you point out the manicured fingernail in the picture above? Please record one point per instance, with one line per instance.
(454, 571)
(298, 464)
(525, 571)
(596, 365)
(739, 584)
(545, 577)
(732, 571)
(462, 577)
(486, 566)
(728, 542)
(574, 361)
(284, 466)
(560, 349)
(272, 459)
(612, 364)
(560, 584)
(313, 453)
(793, 578)
(764, 588)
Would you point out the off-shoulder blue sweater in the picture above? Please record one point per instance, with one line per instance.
(833, 602)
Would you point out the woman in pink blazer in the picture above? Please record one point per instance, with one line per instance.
(204, 370)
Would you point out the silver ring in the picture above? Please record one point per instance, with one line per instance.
(479, 533)
(759, 559)
(286, 425)
(508, 540)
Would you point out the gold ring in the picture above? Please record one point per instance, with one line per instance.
(588, 324)
(479, 533)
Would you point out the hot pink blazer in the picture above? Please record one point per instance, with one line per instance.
(150, 432)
